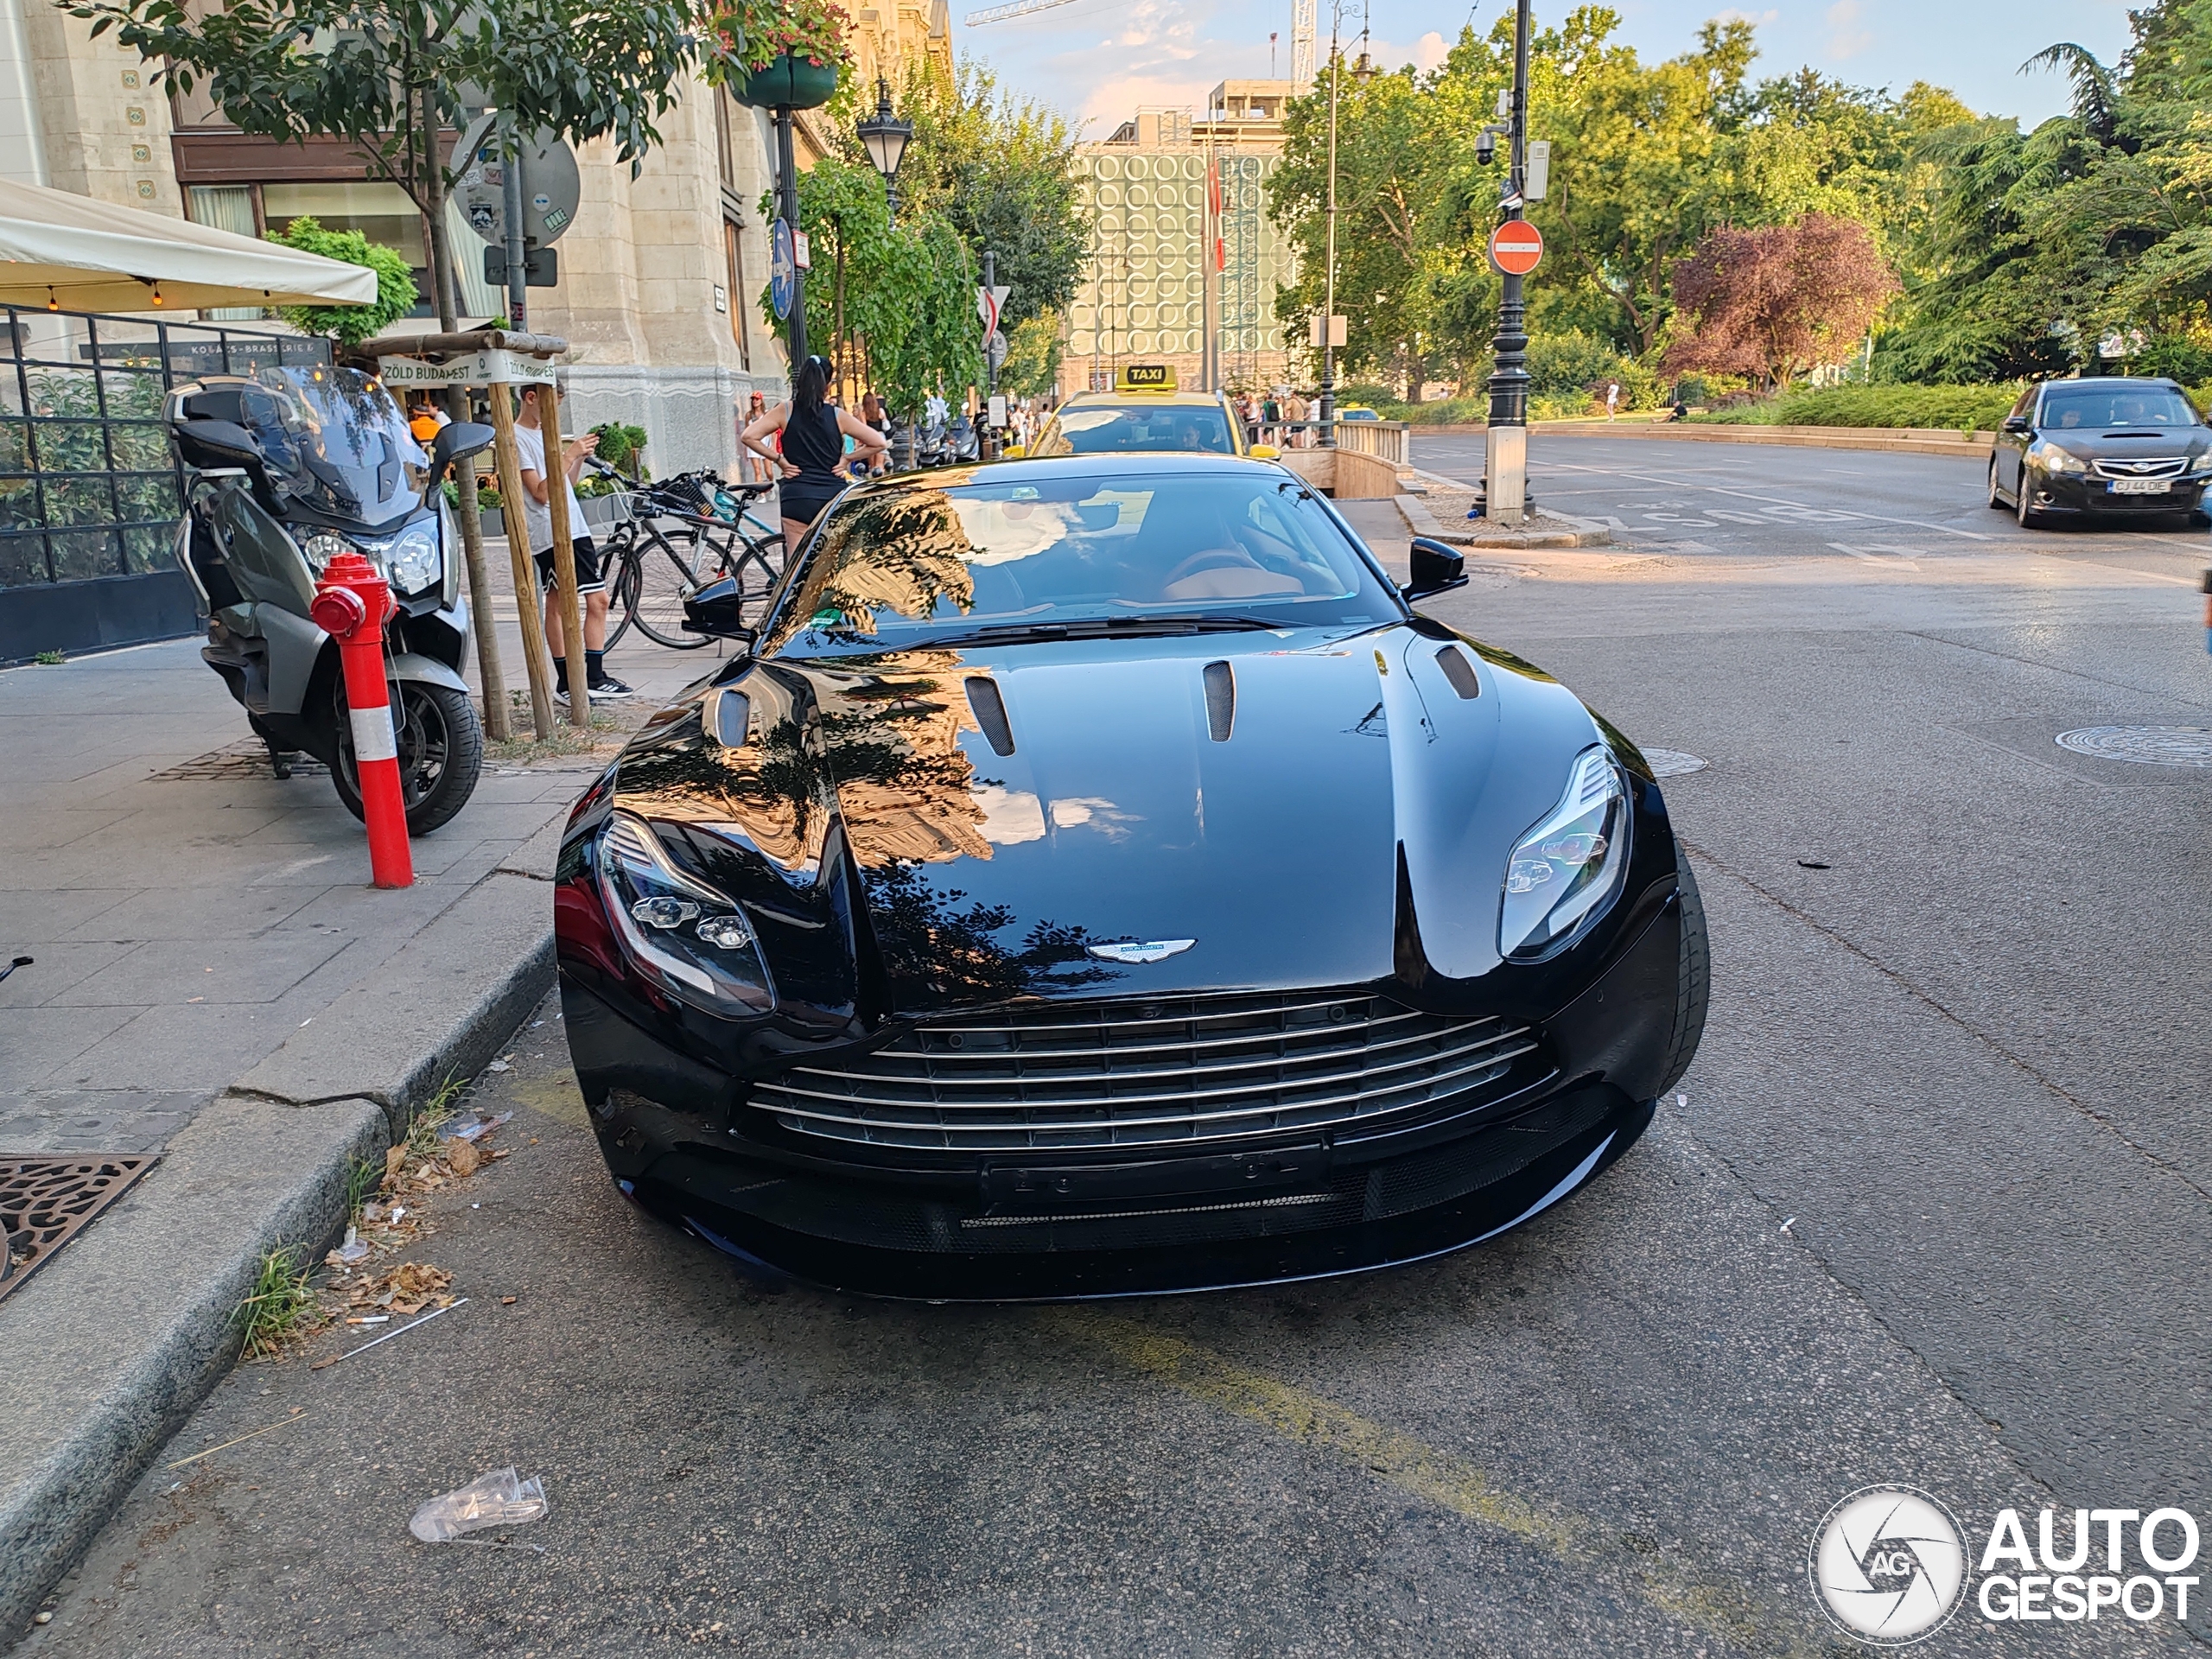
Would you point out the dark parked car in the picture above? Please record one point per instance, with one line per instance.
(1094, 878)
(2110, 448)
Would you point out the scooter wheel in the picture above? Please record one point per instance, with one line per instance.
(441, 754)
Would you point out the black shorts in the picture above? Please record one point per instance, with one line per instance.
(590, 579)
(801, 500)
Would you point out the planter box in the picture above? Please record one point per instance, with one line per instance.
(789, 81)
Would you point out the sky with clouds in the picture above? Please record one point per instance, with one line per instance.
(1099, 59)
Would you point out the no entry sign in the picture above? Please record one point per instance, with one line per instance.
(1516, 247)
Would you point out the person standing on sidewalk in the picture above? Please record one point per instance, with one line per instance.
(814, 433)
(537, 515)
(750, 468)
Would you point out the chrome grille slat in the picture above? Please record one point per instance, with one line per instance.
(1003, 1057)
(1245, 1063)
(2149, 466)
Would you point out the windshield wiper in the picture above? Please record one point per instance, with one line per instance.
(1103, 628)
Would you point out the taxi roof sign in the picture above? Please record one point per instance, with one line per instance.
(1145, 377)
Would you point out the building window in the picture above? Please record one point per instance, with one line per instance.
(383, 212)
(225, 207)
(733, 253)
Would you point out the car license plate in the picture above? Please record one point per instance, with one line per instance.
(2138, 486)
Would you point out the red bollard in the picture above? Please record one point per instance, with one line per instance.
(352, 605)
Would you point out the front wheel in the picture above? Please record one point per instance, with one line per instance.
(441, 753)
(1996, 495)
(1693, 978)
(2028, 518)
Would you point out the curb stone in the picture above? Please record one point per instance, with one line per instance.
(133, 1318)
(1578, 532)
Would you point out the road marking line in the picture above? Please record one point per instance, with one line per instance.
(1883, 556)
(1772, 500)
(1422, 1471)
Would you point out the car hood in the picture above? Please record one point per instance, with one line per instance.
(2129, 444)
(1121, 812)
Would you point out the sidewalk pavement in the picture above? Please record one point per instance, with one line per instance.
(213, 981)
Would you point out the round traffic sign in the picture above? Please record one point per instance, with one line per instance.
(783, 267)
(1516, 247)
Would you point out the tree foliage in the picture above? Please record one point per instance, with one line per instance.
(350, 324)
(1776, 300)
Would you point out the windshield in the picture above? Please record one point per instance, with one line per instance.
(1194, 427)
(2096, 408)
(335, 439)
(1136, 552)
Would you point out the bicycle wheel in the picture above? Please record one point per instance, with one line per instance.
(667, 572)
(621, 559)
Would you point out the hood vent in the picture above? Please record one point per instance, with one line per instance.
(1461, 672)
(990, 714)
(1221, 701)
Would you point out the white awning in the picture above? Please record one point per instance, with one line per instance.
(76, 254)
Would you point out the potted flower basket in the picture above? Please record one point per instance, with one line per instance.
(782, 52)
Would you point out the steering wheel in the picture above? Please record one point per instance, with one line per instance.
(1208, 558)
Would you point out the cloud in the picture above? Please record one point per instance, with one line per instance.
(1849, 39)
(1737, 15)
(1429, 51)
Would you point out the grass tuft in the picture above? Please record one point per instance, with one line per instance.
(281, 1308)
(49, 659)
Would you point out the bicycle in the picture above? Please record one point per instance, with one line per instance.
(676, 537)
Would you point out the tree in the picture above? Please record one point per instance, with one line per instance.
(350, 324)
(385, 75)
(1775, 301)
(1000, 170)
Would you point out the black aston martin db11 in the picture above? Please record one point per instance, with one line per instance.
(1091, 877)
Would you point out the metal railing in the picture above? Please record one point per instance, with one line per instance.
(1388, 441)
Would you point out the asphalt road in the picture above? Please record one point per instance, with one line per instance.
(1934, 1211)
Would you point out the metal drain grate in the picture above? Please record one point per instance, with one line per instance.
(2149, 746)
(48, 1198)
(248, 758)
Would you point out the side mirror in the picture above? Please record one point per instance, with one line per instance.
(1264, 451)
(717, 610)
(2018, 423)
(457, 441)
(216, 443)
(1436, 569)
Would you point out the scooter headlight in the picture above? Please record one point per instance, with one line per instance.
(324, 546)
(692, 941)
(1568, 867)
(412, 560)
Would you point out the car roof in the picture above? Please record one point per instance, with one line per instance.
(1140, 400)
(2110, 380)
(1118, 463)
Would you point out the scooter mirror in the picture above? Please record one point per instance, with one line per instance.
(215, 443)
(457, 441)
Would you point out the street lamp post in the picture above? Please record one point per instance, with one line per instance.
(1329, 279)
(787, 211)
(886, 138)
(1506, 443)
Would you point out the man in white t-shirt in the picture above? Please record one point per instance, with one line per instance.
(537, 518)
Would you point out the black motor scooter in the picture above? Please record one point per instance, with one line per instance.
(286, 469)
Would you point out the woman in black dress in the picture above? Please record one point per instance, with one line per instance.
(814, 431)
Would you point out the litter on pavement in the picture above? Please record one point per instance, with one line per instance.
(501, 1499)
(472, 1128)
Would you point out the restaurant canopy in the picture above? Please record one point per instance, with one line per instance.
(64, 253)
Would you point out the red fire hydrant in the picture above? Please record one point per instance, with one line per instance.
(352, 604)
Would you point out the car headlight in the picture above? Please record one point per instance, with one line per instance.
(2056, 460)
(1568, 867)
(411, 561)
(2200, 465)
(687, 938)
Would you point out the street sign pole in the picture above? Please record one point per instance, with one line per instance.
(989, 449)
(1506, 442)
(787, 210)
(518, 233)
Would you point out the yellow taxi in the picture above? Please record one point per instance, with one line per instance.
(1145, 411)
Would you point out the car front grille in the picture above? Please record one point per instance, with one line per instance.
(2164, 467)
(1146, 1073)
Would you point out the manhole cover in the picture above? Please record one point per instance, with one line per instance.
(248, 758)
(1672, 763)
(2149, 746)
(46, 1199)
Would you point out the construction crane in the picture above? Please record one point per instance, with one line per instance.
(1304, 26)
(1023, 8)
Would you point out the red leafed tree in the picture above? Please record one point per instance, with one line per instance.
(1774, 301)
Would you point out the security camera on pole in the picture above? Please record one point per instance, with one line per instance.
(1515, 248)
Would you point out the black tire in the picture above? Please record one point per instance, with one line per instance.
(666, 572)
(441, 753)
(1694, 986)
(2028, 518)
(1996, 501)
(620, 566)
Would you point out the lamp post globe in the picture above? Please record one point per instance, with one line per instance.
(886, 138)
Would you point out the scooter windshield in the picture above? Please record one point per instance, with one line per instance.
(334, 440)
